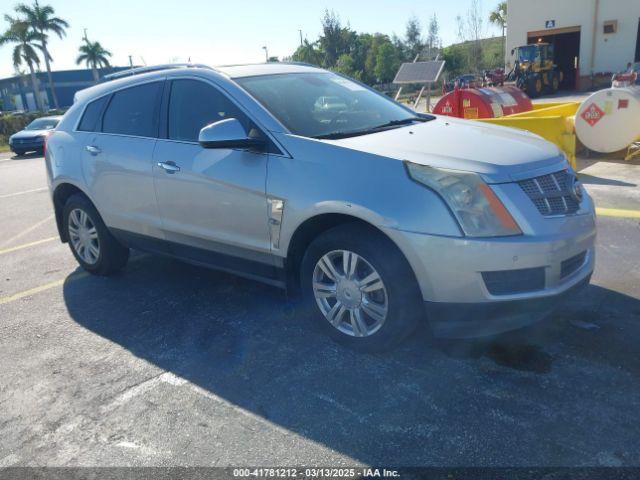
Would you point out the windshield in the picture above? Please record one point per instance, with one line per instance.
(527, 54)
(43, 124)
(324, 104)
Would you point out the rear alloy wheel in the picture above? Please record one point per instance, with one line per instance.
(84, 236)
(350, 293)
(94, 247)
(360, 288)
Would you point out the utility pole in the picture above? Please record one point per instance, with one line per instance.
(266, 54)
(300, 36)
(85, 36)
(130, 61)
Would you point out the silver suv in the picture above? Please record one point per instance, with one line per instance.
(380, 217)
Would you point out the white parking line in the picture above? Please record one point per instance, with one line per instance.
(7, 195)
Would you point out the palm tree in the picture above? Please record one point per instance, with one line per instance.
(20, 33)
(94, 55)
(42, 21)
(499, 17)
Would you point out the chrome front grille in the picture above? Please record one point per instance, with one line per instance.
(22, 141)
(552, 194)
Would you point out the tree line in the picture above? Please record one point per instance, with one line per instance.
(375, 58)
(29, 30)
(371, 58)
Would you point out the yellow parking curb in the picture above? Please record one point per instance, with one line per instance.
(618, 212)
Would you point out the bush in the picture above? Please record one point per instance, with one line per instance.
(467, 57)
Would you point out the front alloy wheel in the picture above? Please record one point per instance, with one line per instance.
(350, 293)
(84, 236)
(359, 288)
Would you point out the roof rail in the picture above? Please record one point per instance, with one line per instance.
(154, 68)
(304, 64)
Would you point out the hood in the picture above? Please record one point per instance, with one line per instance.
(499, 154)
(31, 133)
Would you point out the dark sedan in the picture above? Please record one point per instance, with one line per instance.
(32, 138)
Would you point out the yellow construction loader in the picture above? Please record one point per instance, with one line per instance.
(534, 71)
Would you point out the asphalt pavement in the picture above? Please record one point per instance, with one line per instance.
(171, 364)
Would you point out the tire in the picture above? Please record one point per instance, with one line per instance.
(357, 324)
(555, 82)
(105, 255)
(534, 86)
(538, 86)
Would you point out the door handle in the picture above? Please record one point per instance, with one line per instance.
(169, 167)
(93, 150)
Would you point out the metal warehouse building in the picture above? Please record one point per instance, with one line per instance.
(592, 38)
(16, 93)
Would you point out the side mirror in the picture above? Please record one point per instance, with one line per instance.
(228, 133)
(513, 51)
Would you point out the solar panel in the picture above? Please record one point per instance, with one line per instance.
(419, 72)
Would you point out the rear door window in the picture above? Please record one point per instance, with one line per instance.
(193, 105)
(90, 121)
(134, 111)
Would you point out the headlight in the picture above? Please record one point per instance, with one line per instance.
(479, 211)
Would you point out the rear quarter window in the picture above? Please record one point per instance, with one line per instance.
(90, 121)
(134, 111)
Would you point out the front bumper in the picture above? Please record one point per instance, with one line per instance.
(472, 320)
(450, 271)
(26, 146)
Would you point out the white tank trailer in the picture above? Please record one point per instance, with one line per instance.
(609, 120)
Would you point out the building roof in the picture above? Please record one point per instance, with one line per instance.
(75, 75)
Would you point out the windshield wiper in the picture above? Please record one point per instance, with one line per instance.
(404, 121)
(391, 124)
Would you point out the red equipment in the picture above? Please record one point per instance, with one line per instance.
(494, 78)
(624, 79)
(489, 102)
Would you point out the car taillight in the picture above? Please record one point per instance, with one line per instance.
(44, 143)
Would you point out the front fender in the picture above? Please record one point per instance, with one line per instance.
(323, 178)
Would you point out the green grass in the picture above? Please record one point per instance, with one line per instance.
(4, 147)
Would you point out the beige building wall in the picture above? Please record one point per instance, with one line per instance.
(599, 52)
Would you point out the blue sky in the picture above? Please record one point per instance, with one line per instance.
(222, 32)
